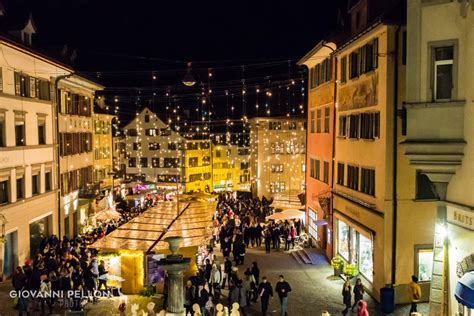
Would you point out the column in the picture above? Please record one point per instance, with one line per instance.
(175, 304)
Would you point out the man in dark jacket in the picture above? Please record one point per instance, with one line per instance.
(283, 288)
(265, 291)
(227, 271)
(189, 292)
(201, 298)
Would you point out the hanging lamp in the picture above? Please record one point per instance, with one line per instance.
(188, 79)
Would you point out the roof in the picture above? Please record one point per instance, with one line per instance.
(278, 118)
(148, 231)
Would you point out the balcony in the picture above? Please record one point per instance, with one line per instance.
(435, 138)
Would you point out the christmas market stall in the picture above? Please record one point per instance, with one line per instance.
(133, 250)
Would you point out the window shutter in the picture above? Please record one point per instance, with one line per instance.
(377, 124)
(375, 48)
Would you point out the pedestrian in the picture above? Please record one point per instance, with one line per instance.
(265, 291)
(227, 271)
(45, 290)
(283, 288)
(358, 292)
(287, 235)
(215, 281)
(268, 240)
(249, 285)
(414, 292)
(189, 292)
(293, 236)
(258, 234)
(102, 275)
(346, 296)
(243, 297)
(202, 298)
(207, 273)
(363, 308)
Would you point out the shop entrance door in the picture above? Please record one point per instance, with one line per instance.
(10, 254)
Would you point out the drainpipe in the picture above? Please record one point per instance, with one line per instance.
(395, 156)
(58, 169)
(333, 153)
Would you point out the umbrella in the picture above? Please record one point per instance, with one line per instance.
(286, 215)
(108, 214)
(464, 291)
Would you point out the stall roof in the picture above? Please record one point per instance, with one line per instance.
(148, 231)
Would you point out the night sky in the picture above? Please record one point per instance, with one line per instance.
(123, 44)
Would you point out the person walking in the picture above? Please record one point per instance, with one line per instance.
(258, 234)
(202, 298)
(265, 291)
(215, 281)
(268, 240)
(358, 292)
(189, 292)
(227, 271)
(283, 288)
(414, 292)
(243, 297)
(363, 308)
(102, 275)
(256, 275)
(346, 296)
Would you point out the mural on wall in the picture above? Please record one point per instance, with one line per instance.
(359, 95)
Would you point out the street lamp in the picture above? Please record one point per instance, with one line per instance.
(188, 79)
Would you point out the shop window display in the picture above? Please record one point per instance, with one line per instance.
(425, 264)
(343, 239)
(366, 262)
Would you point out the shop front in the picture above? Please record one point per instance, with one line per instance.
(39, 229)
(460, 236)
(358, 238)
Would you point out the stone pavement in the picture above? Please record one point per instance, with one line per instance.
(315, 289)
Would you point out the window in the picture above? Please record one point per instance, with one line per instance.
(193, 162)
(147, 118)
(354, 126)
(136, 146)
(326, 171)
(20, 188)
(277, 168)
(318, 121)
(424, 263)
(41, 130)
(365, 256)
(206, 160)
(171, 162)
(277, 187)
(195, 177)
(292, 126)
(144, 162)
(207, 175)
(74, 143)
(20, 130)
(47, 181)
(150, 132)
(244, 165)
(4, 191)
(172, 146)
(342, 126)
(132, 162)
(443, 72)
(313, 228)
(425, 189)
(2, 129)
(340, 173)
(132, 132)
(311, 79)
(274, 125)
(312, 121)
(155, 162)
(153, 146)
(343, 239)
(326, 119)
(35, 184)
(353, 65)
(165, 132)
(364, 59)
(314, 171)
(353, 177)
(368, 181)
(344, 69)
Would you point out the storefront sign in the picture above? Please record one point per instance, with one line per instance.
(461, 218)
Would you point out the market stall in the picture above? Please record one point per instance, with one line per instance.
(139, 244)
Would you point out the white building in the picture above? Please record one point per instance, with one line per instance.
(28, 178)
(152, 150)
(76, 98)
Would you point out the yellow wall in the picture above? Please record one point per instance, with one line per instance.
(102, 148)
(200, 169)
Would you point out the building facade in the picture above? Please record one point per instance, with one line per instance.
(438, 115)
(197, 166)
(76, 96)
(277, 158)
(28, 186)
(103, 150)
(320, 142)
(152, 151)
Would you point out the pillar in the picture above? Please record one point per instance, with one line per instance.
(175, 304)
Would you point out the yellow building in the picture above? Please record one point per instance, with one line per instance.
(223, 167)
(377, 225)
(439, 112)
(241, 172)
(277, 158)
(103, 146)
(197, 166)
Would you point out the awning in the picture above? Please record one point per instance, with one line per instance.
(320, 222)
(464, 291)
